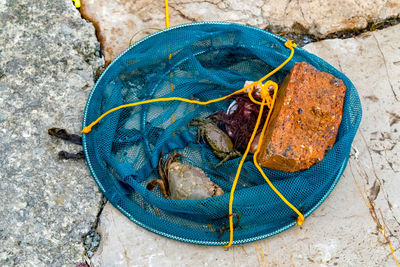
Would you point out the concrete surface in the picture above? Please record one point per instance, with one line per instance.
(343, 231)
(118, 22)
(48, 208)
(48, 55)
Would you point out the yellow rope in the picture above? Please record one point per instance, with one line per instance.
(77, 3)
(170, 55)
(266, 100)
(166, 14)
(289, 44)
(300, 219)
(240, 168)
(88, 128)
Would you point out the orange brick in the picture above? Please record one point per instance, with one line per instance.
(305, 120)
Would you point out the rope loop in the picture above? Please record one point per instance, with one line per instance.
(290, 44)
(300, 220)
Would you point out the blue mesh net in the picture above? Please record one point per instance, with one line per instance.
(209, 60)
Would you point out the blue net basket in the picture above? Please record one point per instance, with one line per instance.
(208, 60)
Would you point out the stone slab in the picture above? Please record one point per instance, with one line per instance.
(48, 56)
(341, 231)
(118, 23)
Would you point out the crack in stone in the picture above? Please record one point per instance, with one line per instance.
(304, 38)
(387, 71)
(301, 10)
(173, 8)
(287, 6)
(87, 239)
(385, 194)
(339, 64)
(373, 210)
(388, 162)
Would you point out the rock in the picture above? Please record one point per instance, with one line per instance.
(341, 232)
(117, 22)
(46, 205)
(305, 119)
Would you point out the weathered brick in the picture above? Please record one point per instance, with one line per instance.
(305, 119)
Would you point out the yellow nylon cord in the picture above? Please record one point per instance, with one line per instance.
(289, 44)
(265, 99)
(300, 219)
(77, 3)
(88, 128)
(170, 55)
(265, 96)
(253, 135)
(166, 15)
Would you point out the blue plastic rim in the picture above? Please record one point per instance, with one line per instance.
(117, 197)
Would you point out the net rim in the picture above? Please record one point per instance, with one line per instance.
(114, 200)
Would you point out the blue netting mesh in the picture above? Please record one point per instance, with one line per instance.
(209, 60)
